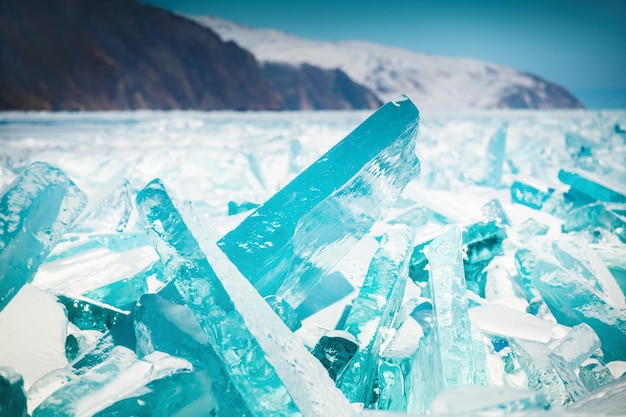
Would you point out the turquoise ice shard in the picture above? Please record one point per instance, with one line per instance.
(117, 377)
(578, 258)
(532, 227)
(493, 210)
(335, 350)
(594, 375)
(452, 329)
(495, 157)
(108, 210)
(12, 396)
(90, 315)
(591, 186)
(272, 370)
(35, 211)
(534, 359)
(597, 216)
(163, 326)
(531, 195)
(373, 310)
(573, 303)
(297, 236)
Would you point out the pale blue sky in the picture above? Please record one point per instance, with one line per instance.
(580, 45)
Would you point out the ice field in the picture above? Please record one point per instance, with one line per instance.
(466, 263)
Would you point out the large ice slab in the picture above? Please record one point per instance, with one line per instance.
(298, 235)
(35, 211)
(496, 151)
(374, 310)
(453, 353)
(269, 366)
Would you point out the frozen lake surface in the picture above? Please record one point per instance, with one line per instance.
(212, 159)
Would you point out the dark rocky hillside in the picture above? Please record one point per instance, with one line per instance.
(120, 54)
(308, 87)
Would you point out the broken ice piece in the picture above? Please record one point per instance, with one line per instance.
(593, 187)
(35, 211)
(334, 350)
(124, 293)
(534, 359)
(272, 370)
(452, 328)
(90, 315)
(533, 196)
(120, 375)
(532, 227)
(573, 303)
(495, 157)
(493, 210)
(299, 234)
(594, 375)
(283, 310)
(373, 310)
(579, 258)
(108, 210)
(12, 396)
(171, 328)
(597, 215)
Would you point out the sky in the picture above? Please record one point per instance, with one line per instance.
(578, 44)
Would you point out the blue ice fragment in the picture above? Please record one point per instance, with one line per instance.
(572, 303)
(530, 195)
(124, 293)
(533, 358)
(335, 350)
(594, 375)
(12, 395)
(532, 227)
(373, 310)
(108, 210)
(594, 187)
(115, 242)
(298, 235)
(167, 327)
(89, 315)
(482, 241)
(284, 310)
(597, 216)
(35, 211)
(391, 376)
(452, 329)
(495, 157)
(270, 368)
(493, 210)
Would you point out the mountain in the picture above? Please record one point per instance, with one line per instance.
(120, 54)
(307, 87)
(432, 82)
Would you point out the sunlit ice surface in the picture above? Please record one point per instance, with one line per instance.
(528, 205)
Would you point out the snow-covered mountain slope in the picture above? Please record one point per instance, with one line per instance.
(432, 82)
